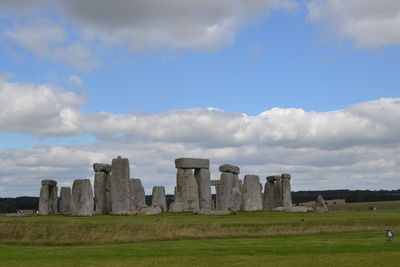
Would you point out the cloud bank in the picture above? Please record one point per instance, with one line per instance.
(356, 147)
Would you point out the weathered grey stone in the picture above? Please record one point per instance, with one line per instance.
(273, 178)
(65, 200)
(278, 193)
(192, 163)
(236, 199)
(251, 193)
(291, 209)
(286, 191)
(229, 168)
(158, 198)
(269, 195)
(48, 201)
(120, 192)
(102, 167)
(138, 197)
(150, 211)
(213, 212)
(215, 182)
(82, 203)
(102, 193)
(187, 190)
(224, 191)
(236, 181)
(49, 182)
(176, 207)
(320, 205)
(204, 188)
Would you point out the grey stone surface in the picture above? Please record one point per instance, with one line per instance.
(291, 209)
(102, 167)
(204, 188)
(150, 211)
(192, 163)
(65, 200)
(286, 190)
(225, 191)
(102, 193)
(269, 195)
(229, 168)
(49, 182)
(176, 207)
(82, 203)
(213, 212)
(138, 197)
(273, 178)
(158, 198)
(48, 200)
(187, 190)
(215, 182)
(236, 199)
(278, 193)
(320, 205)
(120, 191)
(251, 193)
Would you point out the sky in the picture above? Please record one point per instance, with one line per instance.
(307, 87)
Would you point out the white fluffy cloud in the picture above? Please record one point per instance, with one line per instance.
(42, 110)
(49, 40)
(370, 24)
(356, 147)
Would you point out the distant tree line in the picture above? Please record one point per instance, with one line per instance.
(9, 205)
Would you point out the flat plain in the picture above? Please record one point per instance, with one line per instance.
(346, 238)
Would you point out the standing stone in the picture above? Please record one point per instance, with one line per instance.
(251, 193)
(158, 198)
(269, 192)
(224, 191)
(204, 188)
(82, 203)
(65, 200)
(320, 205)
(102, 193)
(286, 191)
(236, 199)
(278, 193)
(186, 191)
(120, 192)
(138, 197)
(48, 201)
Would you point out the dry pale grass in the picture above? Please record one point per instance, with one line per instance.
(86, 233)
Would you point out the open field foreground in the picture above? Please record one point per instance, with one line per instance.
(245, 239)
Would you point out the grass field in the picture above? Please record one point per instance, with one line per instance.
(245, 239)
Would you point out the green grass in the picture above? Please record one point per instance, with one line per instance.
(245, 239)
(344, 249)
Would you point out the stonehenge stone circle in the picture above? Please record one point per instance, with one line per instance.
(204, 188)
(82, 203)
(320, 205)
(102, 193)
(120, 192)
(138, 197)
(251, 193)
(48, 201)
(158, 198)
(286, 191)
(65, 200)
